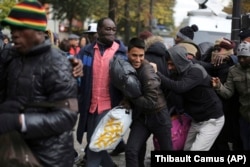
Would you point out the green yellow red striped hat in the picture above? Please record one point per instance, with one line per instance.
(27, 14)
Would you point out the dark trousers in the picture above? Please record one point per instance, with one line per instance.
(158, 124)
(231, 129)
(245, 133)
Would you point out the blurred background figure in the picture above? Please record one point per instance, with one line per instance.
(186, 34)
(74, 44)
(92, 32)
(245, 35)
(185, 38)
(54, 37)
(65, 46)
(192, 51)
(6, 39)
(145, 34)
(84, 40)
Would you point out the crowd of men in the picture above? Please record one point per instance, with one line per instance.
(47, 84)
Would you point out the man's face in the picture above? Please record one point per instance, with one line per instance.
(177, 40)
(171, 67)
(24, 39)
(244, 61)
(247, 39)
(136, 56)
(190, 56)
(74, 42)
(107, 32)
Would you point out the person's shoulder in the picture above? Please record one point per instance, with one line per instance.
(235, 68)
(88, 48)
(197, 68)
(234, 59)
(58, 55)
(8, 53)
(146, 66)
(122, 47)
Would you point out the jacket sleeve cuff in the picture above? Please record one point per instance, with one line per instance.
(24, 127)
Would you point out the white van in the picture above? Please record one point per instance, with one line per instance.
(211, 26)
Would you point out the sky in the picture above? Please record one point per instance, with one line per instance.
(183, 6)
(181, 9)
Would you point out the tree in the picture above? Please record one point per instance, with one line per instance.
(67, 9)
(5, 7)
(141, 14)
(245, 5)
(132, 16)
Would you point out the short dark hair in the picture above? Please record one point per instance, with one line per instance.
(100, 22)
(64, 45)
(136, 42)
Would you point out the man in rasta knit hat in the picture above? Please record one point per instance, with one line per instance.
(40, 96)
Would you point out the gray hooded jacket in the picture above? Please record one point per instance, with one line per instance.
(200, 101)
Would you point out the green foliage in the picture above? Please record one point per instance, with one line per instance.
(245, 6)
(5, 7)
(139, 15)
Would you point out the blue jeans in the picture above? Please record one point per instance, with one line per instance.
(245, 133)
(96, 158)
(158, 124)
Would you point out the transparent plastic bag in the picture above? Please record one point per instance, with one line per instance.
(111, 129)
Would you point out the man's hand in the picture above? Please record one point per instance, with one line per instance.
(125, 103)
(154, 66)
(77, 67)
(219, 59)
(216, 82)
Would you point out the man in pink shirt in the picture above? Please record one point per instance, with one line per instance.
(97, 95)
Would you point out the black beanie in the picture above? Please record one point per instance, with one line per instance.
(187, 32)
(244, 34)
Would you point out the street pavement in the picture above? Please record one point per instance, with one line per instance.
(120, 159)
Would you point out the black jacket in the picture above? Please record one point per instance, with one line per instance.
(156, 52)
(45, 75)
(152, 99)
(194, 84)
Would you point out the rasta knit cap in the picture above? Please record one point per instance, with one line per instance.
(27, 14)
(187, 33)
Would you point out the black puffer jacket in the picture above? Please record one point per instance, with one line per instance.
(45, 75)
(5, 59)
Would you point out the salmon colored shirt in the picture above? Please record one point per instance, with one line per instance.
(100, 100)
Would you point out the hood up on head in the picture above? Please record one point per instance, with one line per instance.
(178, 55)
